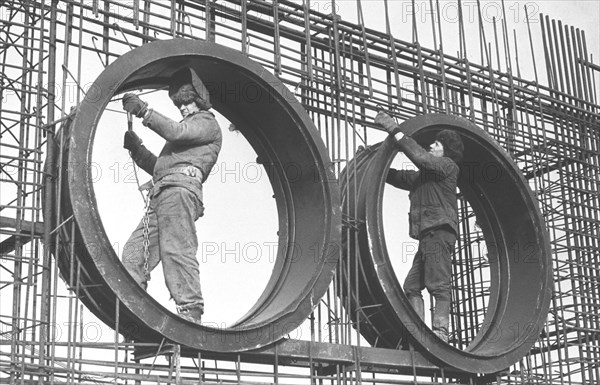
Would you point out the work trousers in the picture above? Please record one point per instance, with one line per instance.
(431, 270)
(172, 213)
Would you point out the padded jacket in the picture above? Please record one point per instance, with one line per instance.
(432, 189)
(194, 141)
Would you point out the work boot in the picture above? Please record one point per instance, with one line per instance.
(417, 303)
(193, 314)
(441, 319)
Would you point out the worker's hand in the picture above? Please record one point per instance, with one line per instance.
(387, 122)
(131, 141)
(134, 105)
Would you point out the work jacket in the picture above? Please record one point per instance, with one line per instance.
(432, 189)
(194, 141)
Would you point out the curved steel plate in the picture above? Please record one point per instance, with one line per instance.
(520, 258)
(286, 142)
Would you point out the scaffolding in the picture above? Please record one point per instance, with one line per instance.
(342, 72)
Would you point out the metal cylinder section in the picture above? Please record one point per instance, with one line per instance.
(287, 143)
(518, 246)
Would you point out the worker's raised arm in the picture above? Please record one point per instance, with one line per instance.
(198, 129)
(425, 161)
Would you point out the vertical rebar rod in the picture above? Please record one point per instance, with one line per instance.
(201, 367)
(512, 124)
(484, 56)
(79, 317)
(558, 58)
(462, 49)
(336, 52)
(173, 18)
(422, 90)
(392, 46)
(35, 269)
(72, 283)
(361, 23)
(497, 45)
(17, 318)
(136, 14)
(51, 172)
(433, 34)
(276, 39)
(564, 59)
(465, 62)
(350, 146)
(594, 97)
(442, 60)
(575, 96)
(336, 158)
(574, 67)
(276, 365)
(146, 22)
(580, 59)
(208, 19)
(244, 17)
(517, 61)
(105, 30)
(419, 82)
(54, 307)
(547, 54)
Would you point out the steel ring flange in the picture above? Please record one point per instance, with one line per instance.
(287, 144)
(518, 244)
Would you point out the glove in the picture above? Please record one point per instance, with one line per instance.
(131, 141)
(134, 105)
(384, 120)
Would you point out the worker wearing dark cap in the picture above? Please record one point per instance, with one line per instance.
(175, 197)
(433, 217)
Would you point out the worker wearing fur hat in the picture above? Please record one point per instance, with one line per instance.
(175, 197)
(433, 216)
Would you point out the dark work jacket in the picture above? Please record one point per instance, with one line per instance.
(432, 189)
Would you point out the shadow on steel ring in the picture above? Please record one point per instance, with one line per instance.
(287, 143)
(518, 246)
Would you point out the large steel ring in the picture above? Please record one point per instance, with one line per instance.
(518, 245)
(305, 189)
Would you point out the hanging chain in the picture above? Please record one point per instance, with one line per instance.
(146, 220)
(146, 233)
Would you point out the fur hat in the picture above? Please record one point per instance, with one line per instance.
(186, 87)
(453, 144)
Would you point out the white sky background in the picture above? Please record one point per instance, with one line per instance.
(237, 234)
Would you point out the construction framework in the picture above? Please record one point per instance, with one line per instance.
(342, 73)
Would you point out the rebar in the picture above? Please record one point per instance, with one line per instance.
(342, 71)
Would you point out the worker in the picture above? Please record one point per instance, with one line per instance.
(175, 197)
(433, 217)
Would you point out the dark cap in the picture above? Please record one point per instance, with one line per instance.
(185, 87)
(453, 144)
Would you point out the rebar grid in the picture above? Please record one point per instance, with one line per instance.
(342, 73)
